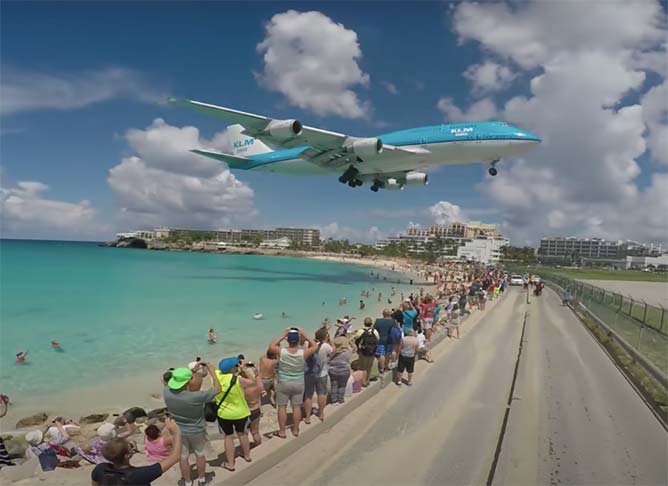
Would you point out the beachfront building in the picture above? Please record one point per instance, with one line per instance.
(612, 252)
(301, 236)
(278, 243)
(469, 230)
(483, 249)
(446, 239)
(144, 235)
(640, 262)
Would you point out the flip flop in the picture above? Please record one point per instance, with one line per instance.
(308, 422)
(225, 466)
(293, 433)
(247, 459)
(278, 434)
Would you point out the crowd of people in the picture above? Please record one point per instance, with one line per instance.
(302, 375)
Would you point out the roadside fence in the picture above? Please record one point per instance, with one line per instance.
(643, 326)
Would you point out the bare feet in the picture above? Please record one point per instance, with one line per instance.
(295, 431)
(228, 467)
(280, 434)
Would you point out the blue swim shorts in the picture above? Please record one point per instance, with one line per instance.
(382, 350)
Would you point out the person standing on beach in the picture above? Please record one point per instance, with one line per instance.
(427, 315)
(233, 412)
(409, 314)
(187, 410)
(383, 327)
(339, 369)
(366, 340)
(253, 389)
(315, 377)
(268, 364)
(407, 352)
(290, 386)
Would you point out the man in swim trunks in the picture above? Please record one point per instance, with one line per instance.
(268, 364)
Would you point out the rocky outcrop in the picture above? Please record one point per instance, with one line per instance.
(134, 413)
(95, 418)
(132, 243)
(36, 419)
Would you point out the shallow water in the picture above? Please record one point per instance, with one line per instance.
(119, 312)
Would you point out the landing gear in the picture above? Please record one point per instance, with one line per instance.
(350, 175)
(376, 185)
(492, 170)
(355, 183)
(375, 188)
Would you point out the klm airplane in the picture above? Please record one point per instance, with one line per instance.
(391, 161)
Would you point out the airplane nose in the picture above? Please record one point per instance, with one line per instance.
(529, 137)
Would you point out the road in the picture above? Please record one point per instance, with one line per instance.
(574, 419)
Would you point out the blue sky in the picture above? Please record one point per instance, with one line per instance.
(208, 52)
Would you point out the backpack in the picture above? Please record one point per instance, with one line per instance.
(313, 367)
(367, 342)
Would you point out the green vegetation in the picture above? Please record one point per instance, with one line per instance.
(518, 254)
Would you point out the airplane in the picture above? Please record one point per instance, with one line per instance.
(389, 161)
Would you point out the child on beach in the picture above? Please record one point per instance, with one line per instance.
(268, 364)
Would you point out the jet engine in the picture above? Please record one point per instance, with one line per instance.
(392, 185)
(417, 179)
(284, 128)
(365, 146)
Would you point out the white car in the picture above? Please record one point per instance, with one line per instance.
(516, 280)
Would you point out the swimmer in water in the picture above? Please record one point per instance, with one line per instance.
(55, 344)
(21, 357)
(212, 336)
(284, 315)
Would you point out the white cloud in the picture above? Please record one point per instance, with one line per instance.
(354, 235)
(165, 184)
(655, 114)
(532, 33)
(445, 212)
(313, 61)
(26, 213)
(488, 77)
(26, 90)
(390, 87)
(481, 110)
(585, 59)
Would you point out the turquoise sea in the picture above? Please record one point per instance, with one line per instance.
(121, 311)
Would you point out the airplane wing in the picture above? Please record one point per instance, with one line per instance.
(260, 127)
(326, 147)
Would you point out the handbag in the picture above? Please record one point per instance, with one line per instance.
(211, 408)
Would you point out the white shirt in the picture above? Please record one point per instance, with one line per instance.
(421, 340)
(323, 357)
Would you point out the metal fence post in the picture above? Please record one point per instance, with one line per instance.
(644, 314)
(663, 314)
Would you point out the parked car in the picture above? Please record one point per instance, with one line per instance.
(516, 280)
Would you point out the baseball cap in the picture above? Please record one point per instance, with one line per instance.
(226, 364)
(180, 376)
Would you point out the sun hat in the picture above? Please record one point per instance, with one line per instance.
(34, 437)
(180, 376)
(106, 431)
(226, 364)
